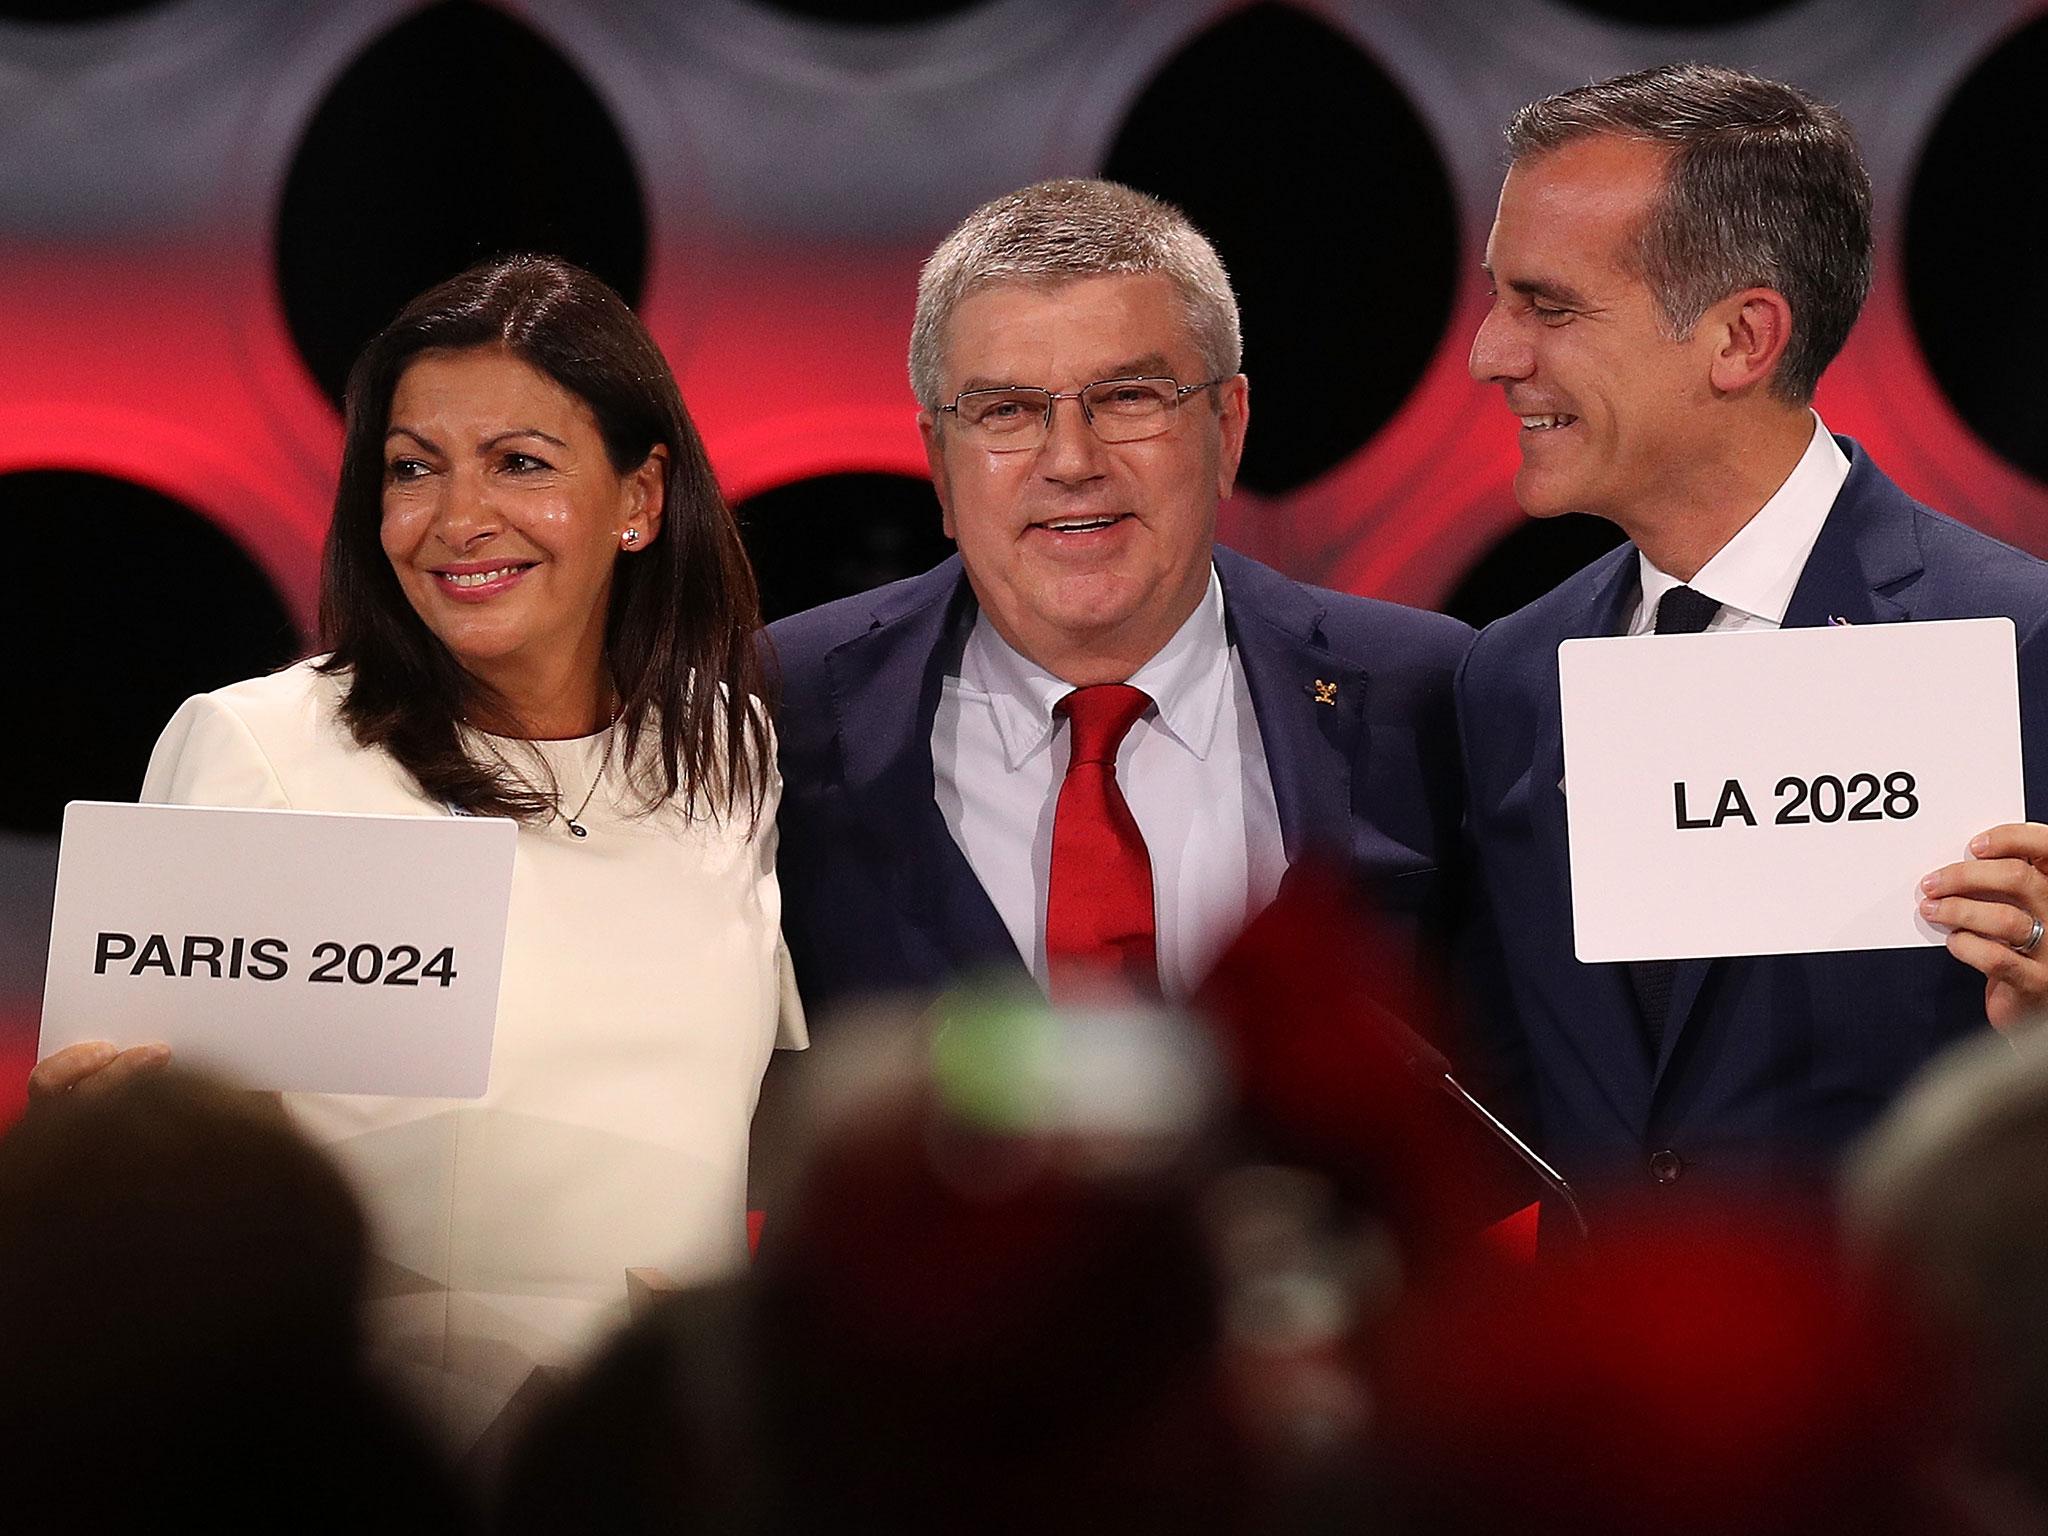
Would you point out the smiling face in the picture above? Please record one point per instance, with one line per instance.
(1085, 555)
(502, 516)
(1613, 410)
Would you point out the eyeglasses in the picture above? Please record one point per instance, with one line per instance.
(1016, 417)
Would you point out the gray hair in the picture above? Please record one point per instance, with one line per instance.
(1056, 230)
(1765, 188)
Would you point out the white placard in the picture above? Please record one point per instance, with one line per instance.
(1864, 757)
(288, 949)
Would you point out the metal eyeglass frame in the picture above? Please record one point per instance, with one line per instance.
(1054, 397)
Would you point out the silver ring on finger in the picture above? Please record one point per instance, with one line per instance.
(2033, 940)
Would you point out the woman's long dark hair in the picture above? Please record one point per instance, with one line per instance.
(679, 636)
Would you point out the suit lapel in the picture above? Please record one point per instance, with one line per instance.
(1310, 706)
(1609, 1036)
(885, 690)
(1866, 556)
(1864, 560)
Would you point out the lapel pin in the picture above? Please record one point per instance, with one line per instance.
(1325, 693)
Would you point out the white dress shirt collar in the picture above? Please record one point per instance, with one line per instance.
(1755, 572)
(1186, 679)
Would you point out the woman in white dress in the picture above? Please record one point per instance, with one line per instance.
(534, 604)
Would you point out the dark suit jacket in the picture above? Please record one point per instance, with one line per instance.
(1768, 1063)
(877, 895)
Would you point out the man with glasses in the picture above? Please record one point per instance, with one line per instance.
(1091, 745)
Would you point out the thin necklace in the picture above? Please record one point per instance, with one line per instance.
(573, 822)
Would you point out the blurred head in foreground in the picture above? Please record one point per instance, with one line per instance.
(1039, 1270)
(180, 1276)
(989, 1303)
(1947, 1202)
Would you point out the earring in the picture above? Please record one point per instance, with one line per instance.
(630, 537)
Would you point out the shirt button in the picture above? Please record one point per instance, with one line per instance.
(1666, 1167)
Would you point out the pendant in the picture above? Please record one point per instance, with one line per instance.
(578, 828)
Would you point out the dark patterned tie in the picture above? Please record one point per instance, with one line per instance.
(1681, 611)
(1099, 920)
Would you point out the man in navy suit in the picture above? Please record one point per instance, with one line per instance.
(1676, 257)
(1076, 359)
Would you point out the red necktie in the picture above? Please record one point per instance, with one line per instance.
(1098, 910)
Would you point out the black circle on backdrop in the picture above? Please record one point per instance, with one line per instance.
(1974, 233)
(873, 13)
(1527, 562)
(457, 135)
(73, 12)
(1330, 206)
(834, 535)
(99, 652)
(1680, 13)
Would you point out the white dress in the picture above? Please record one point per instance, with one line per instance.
(645, 984)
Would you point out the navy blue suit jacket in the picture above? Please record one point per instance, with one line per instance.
(876, 894)
(1770, 1063)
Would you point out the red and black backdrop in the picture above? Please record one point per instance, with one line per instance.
(207, 205)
